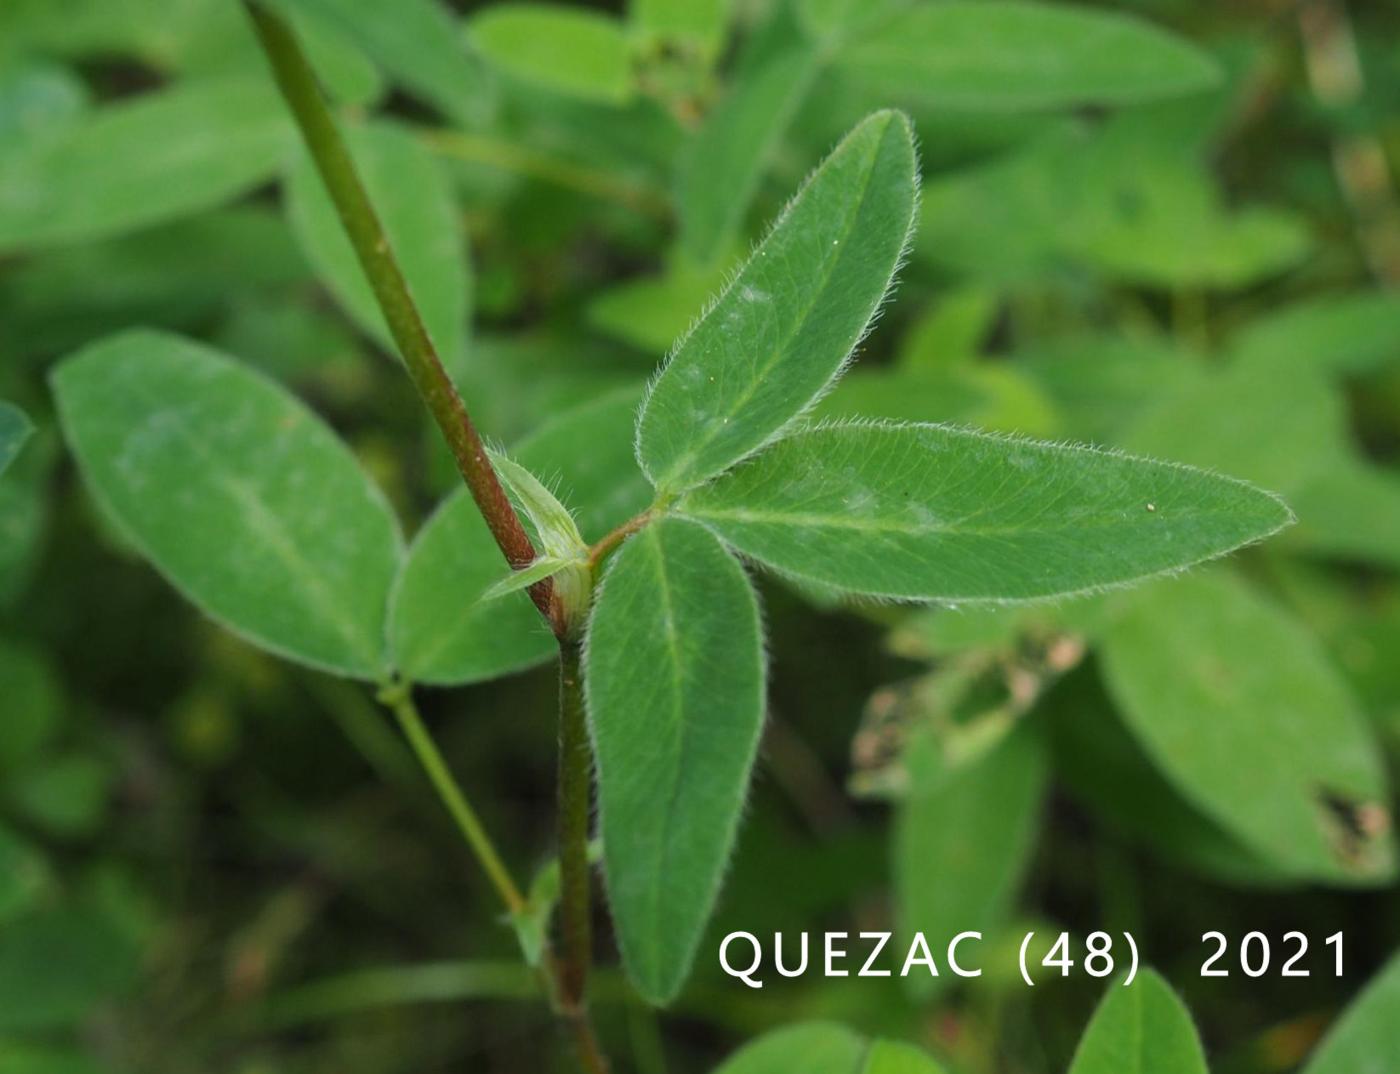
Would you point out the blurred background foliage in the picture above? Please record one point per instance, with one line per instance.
(212, 861)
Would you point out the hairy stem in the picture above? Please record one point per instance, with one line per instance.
(576, 944)
(399, 699)
(606, 544)
(299, 87)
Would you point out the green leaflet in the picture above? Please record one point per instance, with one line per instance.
(962, 842)
(571, 50)
(826, 1048)
(15, 429)
(930, 512)
(1206, 674)
(1368, 1034)
(721, 165)
(419, 43)
(675, 684)
(1140, 1029)
(787, 324)
(415, 203)
(159, 156)
(441, 629)
(1004, 54)
(237, 493)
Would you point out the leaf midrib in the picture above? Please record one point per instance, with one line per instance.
(894, 527)
(677, 708)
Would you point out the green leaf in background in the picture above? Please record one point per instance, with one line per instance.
(24, 876)
(930, 512)
(42, 1059)
(651, 313)
(675, 686)
(721, 165)
(994, 396)
(1368, 1033)
(1120, 199)
(63, 297)
(238, 494)
(1250, 420)
(415, 203)
(1102, 385)
(15, 429)
(962, 840)
(1001, 54)
(419, 43)
(587, 454)
(1140, 1029)
(24, 514)
(576, 51)
(37, 101)
(811, 1047)
(825, 1048)
(1241, 709)
(1343, 335)
(1350, 511)
(155, 157)
(894, 1057)
(64, 796)
(950, 332)
(57, 965)
(1103, 766)
(789, 321)
(697, 23)
(442, 630)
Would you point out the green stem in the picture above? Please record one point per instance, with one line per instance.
(576, 947)
(299, 87)
(605, 546)
(399, 699)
